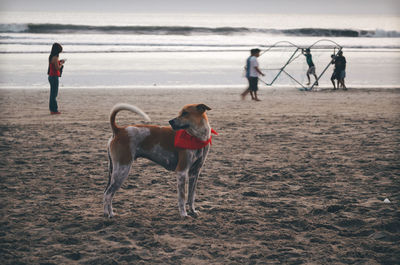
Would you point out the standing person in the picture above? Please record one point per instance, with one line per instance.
(311, 66)
(54, 72)
(339, 73)
(252, 73)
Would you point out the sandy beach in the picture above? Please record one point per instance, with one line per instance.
(298, 178)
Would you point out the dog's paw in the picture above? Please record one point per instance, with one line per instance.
(108, 210)
(194, 213)
(109, 215)
(184, 216)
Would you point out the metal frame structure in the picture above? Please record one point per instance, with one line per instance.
(334, 45)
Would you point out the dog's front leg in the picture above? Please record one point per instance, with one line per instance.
(192, 193)
(181, 180)
(194, 173)
(182, 171)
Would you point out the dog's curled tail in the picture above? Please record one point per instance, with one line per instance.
(123, 106)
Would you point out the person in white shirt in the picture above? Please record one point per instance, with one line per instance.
(252, 73)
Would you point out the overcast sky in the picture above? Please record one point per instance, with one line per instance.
(381, 7)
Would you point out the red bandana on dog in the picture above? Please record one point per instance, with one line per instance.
(187, 141)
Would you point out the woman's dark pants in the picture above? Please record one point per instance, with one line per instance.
(53, 80)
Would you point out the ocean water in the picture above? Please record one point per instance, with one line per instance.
(194, 50)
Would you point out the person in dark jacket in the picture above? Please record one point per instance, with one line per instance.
(339, 73)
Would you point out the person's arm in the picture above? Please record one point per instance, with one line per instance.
(258, 70)
(255, 65)
(333, 59)
(57, 65)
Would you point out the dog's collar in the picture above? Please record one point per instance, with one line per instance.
(187, 141)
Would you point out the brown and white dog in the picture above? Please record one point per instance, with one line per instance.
(157, 144)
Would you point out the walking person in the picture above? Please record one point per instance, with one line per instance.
(54, 71)
(339, 73)
(311, 66)
(252, 73)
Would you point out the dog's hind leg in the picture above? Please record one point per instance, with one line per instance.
(118, 175)
(110, 169)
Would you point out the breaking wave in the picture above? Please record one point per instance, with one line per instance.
(188, 30)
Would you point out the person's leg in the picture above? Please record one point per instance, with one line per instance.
(343, 75)
(311, 71)
(51, 99)
(308, 77)
(342, 84)
(251, 88)
(256, 89)
(252, 94)
(333, 83)
(244, 94)
(333, 77)
(247, 91)
(56, 94)
(316, 79)
(53, 93)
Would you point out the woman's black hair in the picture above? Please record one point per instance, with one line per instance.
(55, 51)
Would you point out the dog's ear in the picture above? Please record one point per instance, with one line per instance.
(202, 108)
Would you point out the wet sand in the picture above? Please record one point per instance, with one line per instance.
(298, 178)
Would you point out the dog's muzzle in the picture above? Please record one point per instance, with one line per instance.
(176, 126)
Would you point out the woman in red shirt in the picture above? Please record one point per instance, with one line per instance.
(54, 72)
